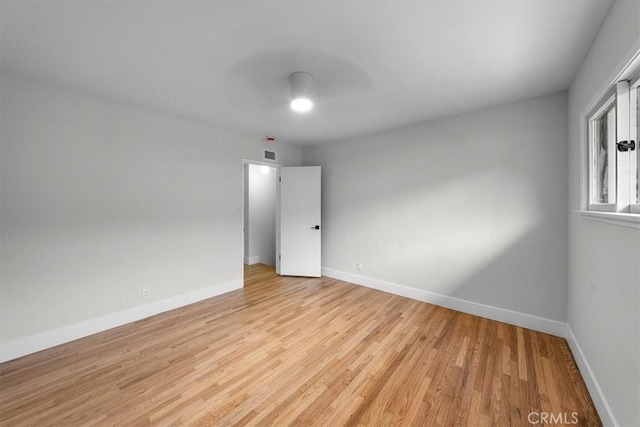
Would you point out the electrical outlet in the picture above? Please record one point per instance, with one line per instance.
(359, 266)
(146, 293)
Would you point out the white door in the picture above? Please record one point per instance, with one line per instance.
(300, 247)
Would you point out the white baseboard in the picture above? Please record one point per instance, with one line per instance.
(604, 411)
(523, 320)
(252, 260)
(31, 344)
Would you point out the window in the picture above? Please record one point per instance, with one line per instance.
(602, 137)
(635, 99)
(612, 134)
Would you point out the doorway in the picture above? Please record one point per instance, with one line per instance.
(259, 216)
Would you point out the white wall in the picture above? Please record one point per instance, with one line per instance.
(262, 216)
(604, 259)
(100, 199)
(471, 206)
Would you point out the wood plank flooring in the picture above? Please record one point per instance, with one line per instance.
(298, 351)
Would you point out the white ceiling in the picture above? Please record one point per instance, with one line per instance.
(376, 64)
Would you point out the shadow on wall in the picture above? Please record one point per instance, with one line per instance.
(469, 233)
(478, 237)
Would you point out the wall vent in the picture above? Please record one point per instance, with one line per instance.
(270, 155)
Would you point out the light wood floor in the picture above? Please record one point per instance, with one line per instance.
(301, 351)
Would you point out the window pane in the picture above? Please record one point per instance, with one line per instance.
(603, 178)
(637, 138)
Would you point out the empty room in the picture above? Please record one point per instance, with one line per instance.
(327, 213)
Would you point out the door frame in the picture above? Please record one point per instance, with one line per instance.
(245, 163)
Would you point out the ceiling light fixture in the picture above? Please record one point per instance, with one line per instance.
(301, 84)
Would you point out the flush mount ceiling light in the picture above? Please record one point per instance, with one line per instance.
(264, 170)
(301, 84)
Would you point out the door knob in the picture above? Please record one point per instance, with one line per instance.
(315, 227)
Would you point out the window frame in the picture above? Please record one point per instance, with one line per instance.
(634, 133)
(602, 107)
(626, 210)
